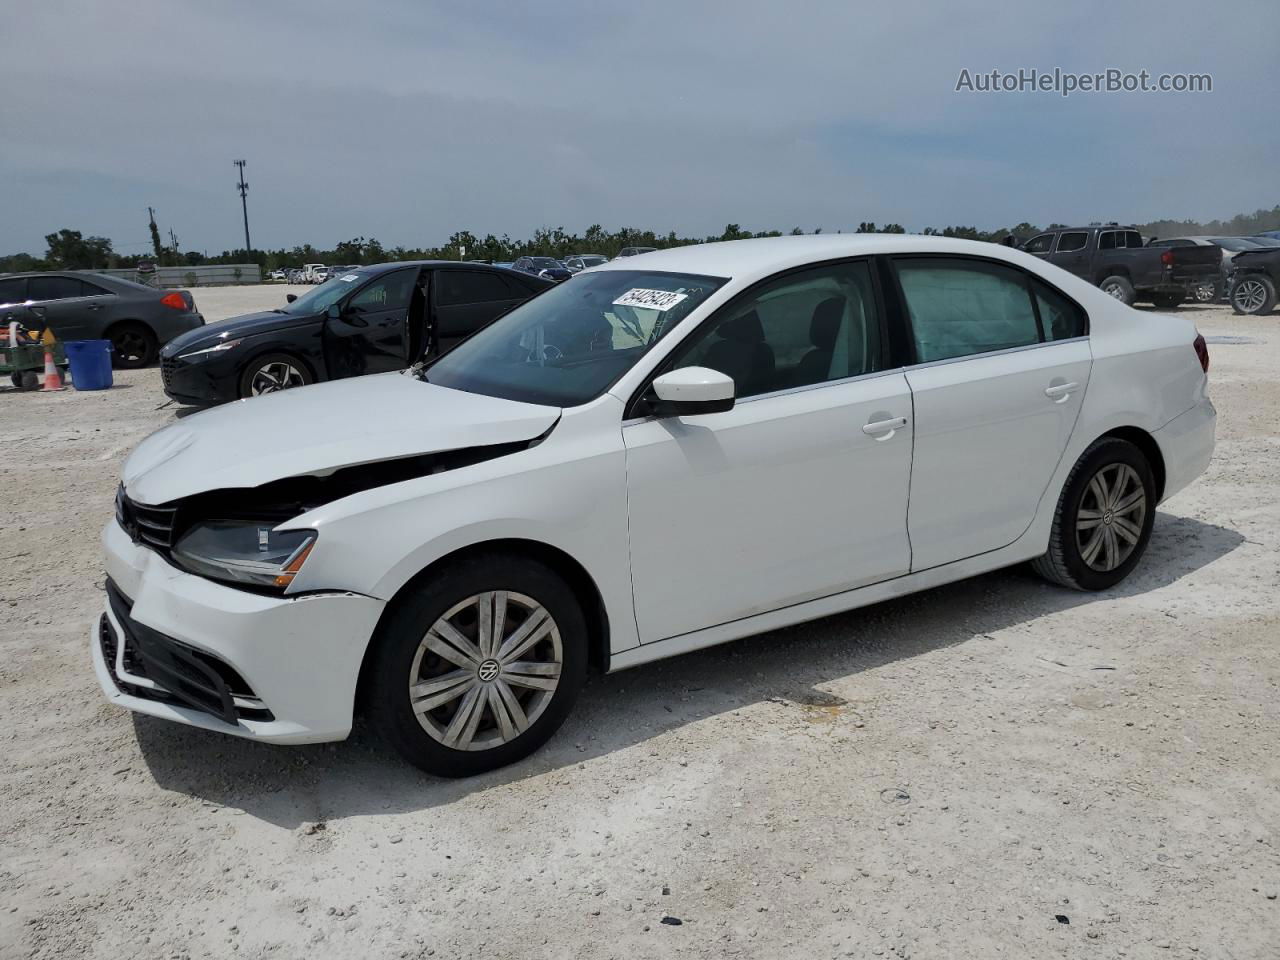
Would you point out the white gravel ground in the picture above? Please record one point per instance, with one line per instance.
(953, 775)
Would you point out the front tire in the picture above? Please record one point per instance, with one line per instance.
(479, 666)
(1103, 520)
(272, 373)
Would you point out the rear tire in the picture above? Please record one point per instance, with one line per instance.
(1103, 520)
(1120, 288)
(519, 698)
(1253, 295)
(133, 345)
(1168, 301)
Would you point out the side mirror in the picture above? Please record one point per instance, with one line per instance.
(333, 312)
(691, 391)
(290, 297)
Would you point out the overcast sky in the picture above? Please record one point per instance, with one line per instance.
(406, 120)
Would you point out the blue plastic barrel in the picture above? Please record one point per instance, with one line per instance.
(90, 363)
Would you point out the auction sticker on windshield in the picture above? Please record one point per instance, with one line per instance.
(350, 277)
(650, 299)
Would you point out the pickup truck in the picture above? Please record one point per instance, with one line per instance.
(1114, 258)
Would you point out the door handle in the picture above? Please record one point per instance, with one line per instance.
(1060, 392)
(884, 429)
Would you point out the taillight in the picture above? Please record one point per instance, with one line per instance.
(1202, 352)
(1167, 258)
(174, 300)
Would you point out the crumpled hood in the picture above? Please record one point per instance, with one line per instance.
(318, 429)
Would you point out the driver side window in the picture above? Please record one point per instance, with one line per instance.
(391, 291)
(809, 327)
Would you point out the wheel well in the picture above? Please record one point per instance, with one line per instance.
(128, 323)
(1117, 272)
(1150, 449)
(574, 574)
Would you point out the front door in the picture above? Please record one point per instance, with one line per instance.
(799, 491)
(70, 316)
(369, 333)
(1003, 364)
(1072, 252)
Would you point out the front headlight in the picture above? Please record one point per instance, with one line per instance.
(209, 351)
(242, 551)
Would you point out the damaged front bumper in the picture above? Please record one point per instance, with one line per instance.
(179, 647)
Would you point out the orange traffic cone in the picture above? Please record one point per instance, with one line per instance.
(52, 382)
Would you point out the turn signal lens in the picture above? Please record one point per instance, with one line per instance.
(294, 565)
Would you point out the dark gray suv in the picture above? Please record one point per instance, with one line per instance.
(93, 306)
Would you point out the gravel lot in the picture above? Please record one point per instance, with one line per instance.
(994, 768)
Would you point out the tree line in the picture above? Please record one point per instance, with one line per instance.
(70, 250)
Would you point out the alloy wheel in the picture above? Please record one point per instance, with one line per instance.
(1111, 517)
(1249, 295)
(278, 375)
(1114, 290)
(486, 670)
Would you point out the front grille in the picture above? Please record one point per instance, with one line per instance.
(182, 674)
(167, 366)
(145, 524)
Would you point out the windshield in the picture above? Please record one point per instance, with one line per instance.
(544, 262)
(1232, 243)
(329, 292)
(593, 261)
(568, 345)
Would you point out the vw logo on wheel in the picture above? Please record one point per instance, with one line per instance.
(488, 671)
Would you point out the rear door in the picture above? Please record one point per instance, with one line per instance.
(464, 300)
(370, 332)
(1002, 362)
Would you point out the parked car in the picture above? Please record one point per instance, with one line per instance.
(1270, 234)
(654, 457)
(1115, 259)
(369, 320)
(278, 274)
(91, 306)
(1255, 277)
(634, 251)
(310, 272)
(296, 275)
(545, 267)
(581, 261)
(1230, 247)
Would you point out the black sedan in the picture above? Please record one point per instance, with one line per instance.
(368, 320)
(546, 267)
(93, 306)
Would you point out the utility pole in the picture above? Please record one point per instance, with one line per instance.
(244, 204)
(173, 241)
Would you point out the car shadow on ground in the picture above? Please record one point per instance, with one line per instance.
(290, 785)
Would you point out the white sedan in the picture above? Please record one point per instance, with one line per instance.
(657, 455)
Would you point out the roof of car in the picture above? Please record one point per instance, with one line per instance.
(766, 255)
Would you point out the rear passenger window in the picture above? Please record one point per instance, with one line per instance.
(454, 287)
(1107, 240)
(1061, 318)
(959, 308)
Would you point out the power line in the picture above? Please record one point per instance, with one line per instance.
(244, 204)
